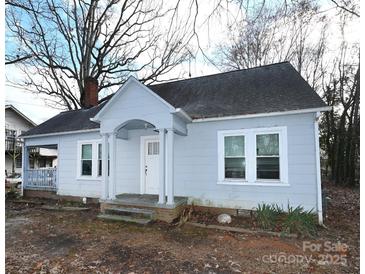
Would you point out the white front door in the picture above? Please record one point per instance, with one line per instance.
(151, 162)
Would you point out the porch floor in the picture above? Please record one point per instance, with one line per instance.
(148, 200)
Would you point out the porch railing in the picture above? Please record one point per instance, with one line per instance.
(44, 178)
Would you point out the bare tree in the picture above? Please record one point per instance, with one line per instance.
(296, 31)
(273, 33)
(340, 128)
(349, 6)
(58, 44)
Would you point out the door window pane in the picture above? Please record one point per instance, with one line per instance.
(153, 148)
(267, 144)
(235, 168)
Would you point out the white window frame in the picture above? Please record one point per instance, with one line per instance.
(250, 156)
(221, 157)
(94, 161)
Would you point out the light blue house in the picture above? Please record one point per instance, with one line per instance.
(230, 140)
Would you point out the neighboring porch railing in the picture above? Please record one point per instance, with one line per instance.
(44, 178)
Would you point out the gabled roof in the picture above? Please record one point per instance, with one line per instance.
(20, 114)
(267, 89)
(272, 88)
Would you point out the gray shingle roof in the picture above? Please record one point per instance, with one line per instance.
(271, 88)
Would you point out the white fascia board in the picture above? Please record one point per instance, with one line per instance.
(308, 110)
(182, 114)
(121, 90)
(61, 133)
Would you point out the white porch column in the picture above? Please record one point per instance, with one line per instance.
(104, 157)
(112, 154)
(161, 188)
(170, 166)
(25, 164)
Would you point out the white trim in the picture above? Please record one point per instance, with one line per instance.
(143, 161)
(94, 160)
(283, 153)
(170, 167)
(257, 183)
(112, 165)
(250, 156)
(245, 116)
(318, 170)
(61, 133)
(162, 180)
(181, 113)
(121, 91)
(221, 158)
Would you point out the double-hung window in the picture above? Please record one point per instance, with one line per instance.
(86, 159)
(253, 156)
(100, 163)
(267, 156)
(89, 159)
(234, 157)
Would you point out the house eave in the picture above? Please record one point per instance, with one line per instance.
(60, 133)
(182, 114)
(267, 114)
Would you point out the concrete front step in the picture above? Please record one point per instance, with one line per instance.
(131, 212)
(130, 219)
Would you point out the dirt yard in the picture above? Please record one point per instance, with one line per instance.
(40, 241)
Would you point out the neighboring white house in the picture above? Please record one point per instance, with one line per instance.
(230, 140)
(17, 123)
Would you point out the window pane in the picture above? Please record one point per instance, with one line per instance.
(267, 144)
(156, 148)
(150, 149)
(235, 168)
(234, 145)
(99, 168)
(268, 168)
(86, 151)
(86, 167)
(99, 151)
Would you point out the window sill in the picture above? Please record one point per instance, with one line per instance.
(86, 178)
(256, 183)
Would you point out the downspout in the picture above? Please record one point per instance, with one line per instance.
(318, 167)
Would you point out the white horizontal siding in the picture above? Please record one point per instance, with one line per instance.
(196, 165)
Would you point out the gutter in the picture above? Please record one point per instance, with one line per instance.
(182, 114)
(318, 170)
(60, 133)
(245, 116)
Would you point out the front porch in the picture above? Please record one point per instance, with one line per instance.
(138, 131)
(141, 208)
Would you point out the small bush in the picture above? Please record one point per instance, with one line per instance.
(300, 221)
(12, 194)
(267, 215)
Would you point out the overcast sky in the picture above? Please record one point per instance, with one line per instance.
(34, 107)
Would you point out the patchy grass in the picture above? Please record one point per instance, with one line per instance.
(77, 242)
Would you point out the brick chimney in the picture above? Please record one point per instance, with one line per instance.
(91, 92)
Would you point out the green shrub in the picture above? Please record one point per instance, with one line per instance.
(300, 221)
(12, 194)
(267, 215)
